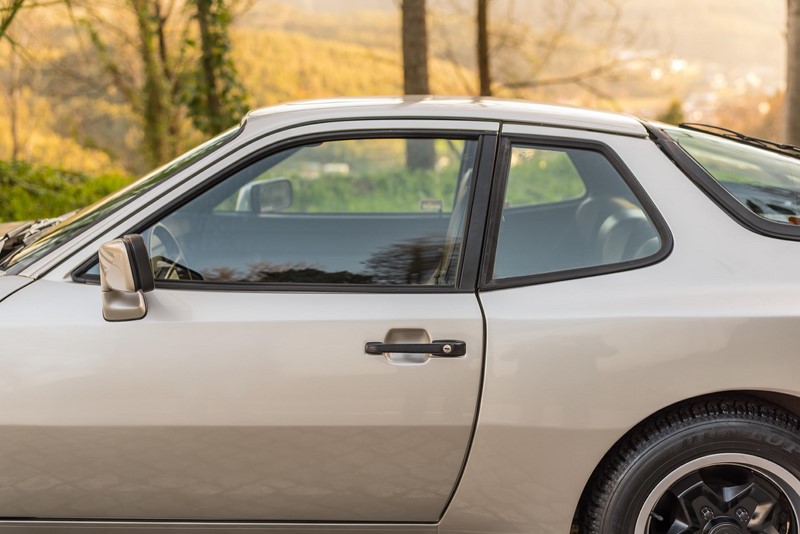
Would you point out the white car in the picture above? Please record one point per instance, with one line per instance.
(494, 317)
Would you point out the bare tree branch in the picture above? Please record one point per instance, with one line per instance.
(449, 52)
(161, 23)
(7, 17)
(591, 89)
(111, 65)
(575, 78)
(556, 37)
(450, 56)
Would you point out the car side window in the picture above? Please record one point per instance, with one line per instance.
(585, 214)
(371, 211)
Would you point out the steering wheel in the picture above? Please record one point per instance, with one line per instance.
(171, 253)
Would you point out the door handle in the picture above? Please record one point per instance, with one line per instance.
(443, 348)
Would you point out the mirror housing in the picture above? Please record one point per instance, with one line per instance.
(125, 274)
(271, 195)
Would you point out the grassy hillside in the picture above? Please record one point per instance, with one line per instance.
(314, 68)
(736, 34)
(70, 117)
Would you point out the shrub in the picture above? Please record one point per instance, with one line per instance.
(35, 192)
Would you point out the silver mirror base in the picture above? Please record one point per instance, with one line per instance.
(120, 306)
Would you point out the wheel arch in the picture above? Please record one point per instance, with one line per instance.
(786, 401)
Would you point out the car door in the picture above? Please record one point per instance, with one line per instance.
(267, 381)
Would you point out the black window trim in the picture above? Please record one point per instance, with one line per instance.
(487, 283)
(475, 216)
(716, 191)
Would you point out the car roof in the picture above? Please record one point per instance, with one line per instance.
(460, 108)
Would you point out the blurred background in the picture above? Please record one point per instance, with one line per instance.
(96, 92)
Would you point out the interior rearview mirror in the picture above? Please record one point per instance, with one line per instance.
(125, 274)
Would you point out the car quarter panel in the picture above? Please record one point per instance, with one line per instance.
(574, 364)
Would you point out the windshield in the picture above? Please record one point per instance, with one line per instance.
(86, 217)
(767, 183)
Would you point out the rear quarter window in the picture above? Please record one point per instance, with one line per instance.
(566, 212)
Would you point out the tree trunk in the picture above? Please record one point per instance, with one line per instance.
(13, 98)
(415, 48)
(172, 85)
(213, 106)
(792, 105)
(420, 153)
(484, 75)
(14, 88)
(155, 111)
(216, 97)
(13, 118)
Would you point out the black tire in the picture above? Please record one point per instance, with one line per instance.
(682, 466)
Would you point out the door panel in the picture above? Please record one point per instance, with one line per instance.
(230, 401)
(224, 405)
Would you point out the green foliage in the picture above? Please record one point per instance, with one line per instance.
(31, 192)
(394, 191)
(147, 84)
(540, 176)
(179, 74)
(368, 176)
(213, 93)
